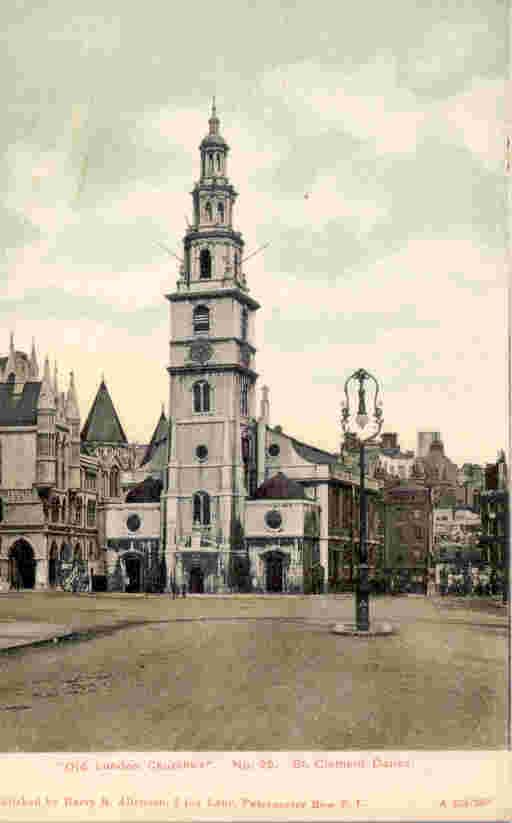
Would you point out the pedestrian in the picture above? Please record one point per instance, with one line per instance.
(184, 590)
(174, 589)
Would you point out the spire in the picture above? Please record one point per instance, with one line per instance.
(10, 366)
(103, 424)
(159, 437)
(34, 368)
(56, 379)
(46, 395)
(265, 404)
(46, 375)
(72, 411)
(214, 121)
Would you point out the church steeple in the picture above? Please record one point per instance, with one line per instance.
(212, 247)
(214, 121)
(214, 150)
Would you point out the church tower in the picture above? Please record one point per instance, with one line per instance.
(212, 384)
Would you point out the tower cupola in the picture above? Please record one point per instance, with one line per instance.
(213, 250)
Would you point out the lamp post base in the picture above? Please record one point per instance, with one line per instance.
(375, 630)
(363, 607)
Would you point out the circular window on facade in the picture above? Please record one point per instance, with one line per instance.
(273, 519)
(274, 450)
(202, 452)
(133, 522)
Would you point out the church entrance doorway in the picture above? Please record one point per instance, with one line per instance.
(196, 580)
(52, 566)
(133, 566)
(274, 572)
(22, 565)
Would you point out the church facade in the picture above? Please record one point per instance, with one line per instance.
(219, 501)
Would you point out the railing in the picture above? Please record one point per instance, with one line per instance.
(18, 495)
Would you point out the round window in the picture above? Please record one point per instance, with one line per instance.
(274, 450)
(202, 452)
(133, 522)
(273, 519)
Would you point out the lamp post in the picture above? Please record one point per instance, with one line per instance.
(366, 427)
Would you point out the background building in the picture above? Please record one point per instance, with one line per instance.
(424, 442)
(407, 536)
(496, 522)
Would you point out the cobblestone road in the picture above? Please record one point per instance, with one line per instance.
(213, 673)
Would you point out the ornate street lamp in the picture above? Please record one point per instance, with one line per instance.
(365, 424)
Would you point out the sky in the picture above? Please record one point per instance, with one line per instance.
(367, 147)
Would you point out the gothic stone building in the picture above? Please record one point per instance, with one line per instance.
(51, 490)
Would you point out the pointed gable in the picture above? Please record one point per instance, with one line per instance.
(103, 424)
(158, 439)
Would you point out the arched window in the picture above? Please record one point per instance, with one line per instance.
(208, 211)
(91, 514)
(201, 320)
(237, 263)
(114, 483)
(205, 263)
(63, 464)
(244, 396)
(77, 554)
(244, 320)
(210, 162)
(201, 508)
(55, 510)
(220, 212)
(218, 162)
(201, 396)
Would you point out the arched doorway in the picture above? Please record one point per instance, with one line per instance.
(52, 566)
(196, 580)
(133, 568)
(22, 565)
(274, 572)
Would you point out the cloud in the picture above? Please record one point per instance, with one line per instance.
(372, 102)
(367, 101)
(439, 352)
(393, 260)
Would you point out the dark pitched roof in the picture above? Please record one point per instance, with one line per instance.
(310, 453)
(159, 436)
(103, 424)
(148, 491)
(19, 409)
(280, 487)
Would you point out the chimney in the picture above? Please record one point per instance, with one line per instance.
(389, 440)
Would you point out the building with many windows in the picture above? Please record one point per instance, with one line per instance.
(408, 537)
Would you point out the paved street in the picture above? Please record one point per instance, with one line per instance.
(206, 673)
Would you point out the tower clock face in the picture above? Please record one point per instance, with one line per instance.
(200, 351)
